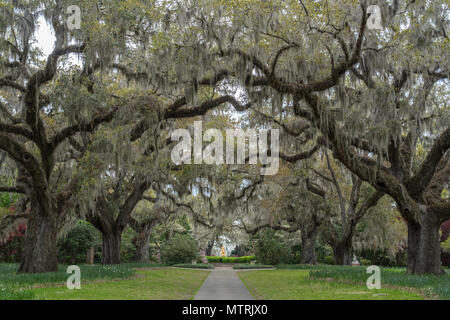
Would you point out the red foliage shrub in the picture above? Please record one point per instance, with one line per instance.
(11, 248)
(445, 256)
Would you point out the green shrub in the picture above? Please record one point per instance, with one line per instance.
(247, 259)
(242, 249)
(324, 253)
(327, 260)
(296, 251)
(366, 262)
(7, 199)
(179, 249)
(73, 248)
(127, 248)
(213, 259)
(382, 258)
(271, 251)
(244, 259)
(194, 266)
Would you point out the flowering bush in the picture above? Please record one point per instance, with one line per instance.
(11, 248)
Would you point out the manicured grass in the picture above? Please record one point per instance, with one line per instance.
(252, 266)
(151, 281)
(194, 266)
(10, 292)
(17, 286)
(297, 285)
(88, 272)
(155, 284)
(429, 284)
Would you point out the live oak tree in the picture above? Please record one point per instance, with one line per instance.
(284, 204)
(309, 213)
(383, 230)
(147, 215)
(44, 105)
(383, 152)
(337, 186)
(33, 127)
(373, 95)
(126, 167)
(45, 108)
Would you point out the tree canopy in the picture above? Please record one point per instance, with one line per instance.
(85, 132)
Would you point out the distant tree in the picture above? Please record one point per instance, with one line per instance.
(352, 207)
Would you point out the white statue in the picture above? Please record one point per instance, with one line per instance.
(355, 261)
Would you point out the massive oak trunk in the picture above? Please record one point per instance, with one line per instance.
(142, 251)
(141, 242)
(111, 247)
(39, 253)
(208, 250)
(424, 252)
(111, 228)
(142, 245)
(308, 253)
(342, 251)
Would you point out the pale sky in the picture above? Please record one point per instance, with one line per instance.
(45, 37)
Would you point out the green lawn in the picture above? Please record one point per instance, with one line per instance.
(148, 284)
(125, 281)
(297, 285)
(290, 282)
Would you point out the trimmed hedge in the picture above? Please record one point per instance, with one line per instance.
(194, 266)
(243, 259)
(252, 266)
